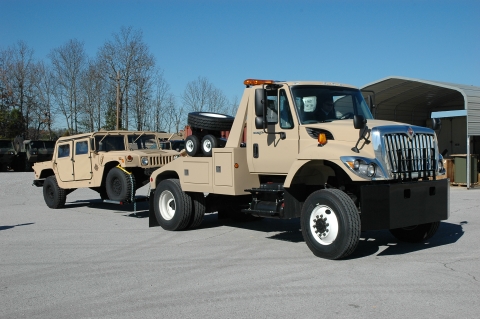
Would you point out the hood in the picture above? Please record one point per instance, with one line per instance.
(344, 131)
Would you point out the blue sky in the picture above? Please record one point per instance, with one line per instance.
(354, 42)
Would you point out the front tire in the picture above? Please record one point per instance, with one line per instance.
(330, 224)
(119, 185)
(54, 196)
(173, 207)
(417, 233)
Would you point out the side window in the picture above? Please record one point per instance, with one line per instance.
(286, 120)
(63, 150)
(81, 147)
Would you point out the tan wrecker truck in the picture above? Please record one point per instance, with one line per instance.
(113, 163)
(310, 150)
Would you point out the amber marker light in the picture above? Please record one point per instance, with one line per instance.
(236, 165)
(257, 82)
(322, 139)
(129, 158)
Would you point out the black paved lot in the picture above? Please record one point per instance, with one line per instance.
(96, 260)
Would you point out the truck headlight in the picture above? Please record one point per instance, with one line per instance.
(441, 167)
(144, 161)
(364, 167)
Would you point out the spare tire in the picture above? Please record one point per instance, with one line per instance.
(210, 121)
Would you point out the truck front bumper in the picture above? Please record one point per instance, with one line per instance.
(396, 205)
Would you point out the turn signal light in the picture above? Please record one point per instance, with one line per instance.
(129, 158)
(322, 139)
(257, 82)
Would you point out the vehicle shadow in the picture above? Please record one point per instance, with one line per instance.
(140, 210)
(371, 242)
(13, 226)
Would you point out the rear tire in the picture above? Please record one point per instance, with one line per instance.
(198, 205)
(417, 233)
(209, 142)
(330, 224)
(54, 196)
(173, 207)
(119, 185)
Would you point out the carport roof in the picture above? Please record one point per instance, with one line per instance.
(412, 100)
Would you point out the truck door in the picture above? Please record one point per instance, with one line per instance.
(271, 153)
(64, 161)
(82, 161)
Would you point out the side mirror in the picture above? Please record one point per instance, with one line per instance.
(260, 108)
(436, 124)
(359, 121)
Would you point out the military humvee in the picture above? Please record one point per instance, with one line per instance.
(113, 163)
(7, 154)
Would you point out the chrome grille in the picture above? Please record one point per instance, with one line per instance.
(159, 160)
(410, 157)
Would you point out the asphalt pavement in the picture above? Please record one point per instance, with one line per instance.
(98, 260)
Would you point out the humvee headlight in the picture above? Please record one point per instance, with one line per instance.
(34, 153)
(176, 156)
(144, 161)
(11, 153)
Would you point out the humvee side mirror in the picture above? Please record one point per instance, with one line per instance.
(436, 124)
(359, 121)
(260, 109)
(92, 144)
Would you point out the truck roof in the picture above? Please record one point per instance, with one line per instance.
(254, 82)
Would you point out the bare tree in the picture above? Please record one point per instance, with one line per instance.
(128, 56)
(93, 97)
(69, 63)
(159, 105)
(17, 72)
(44, 92)
(201, 95)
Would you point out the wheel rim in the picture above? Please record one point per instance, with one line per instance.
(117, 186)
(189, 146)
(207, 145)
(167, 205)
(323, 224)
(50, 192)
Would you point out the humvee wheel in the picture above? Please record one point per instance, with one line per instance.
(330, 224)
(417, 233)
(192, 144)
(119, 185)
(208, 143)
(173, 207)
(53, 195)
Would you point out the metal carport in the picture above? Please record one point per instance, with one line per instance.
(416, 101)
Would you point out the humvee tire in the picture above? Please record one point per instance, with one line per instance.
(415, 234)
(330, 224)
(192, 145)
(208, 143)
(210, 121)
(54, 196)
(173, 207)
(119, 185)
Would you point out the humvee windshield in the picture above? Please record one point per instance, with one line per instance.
(42, 144)
(144, 141)
(5, 144)
(316, 104)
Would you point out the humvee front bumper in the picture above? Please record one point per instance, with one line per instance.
(396, 205)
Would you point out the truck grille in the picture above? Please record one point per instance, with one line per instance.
(159, 160)
(411, 157)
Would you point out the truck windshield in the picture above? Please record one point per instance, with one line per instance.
(42, 144)
(317, 104)
(142, 141)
